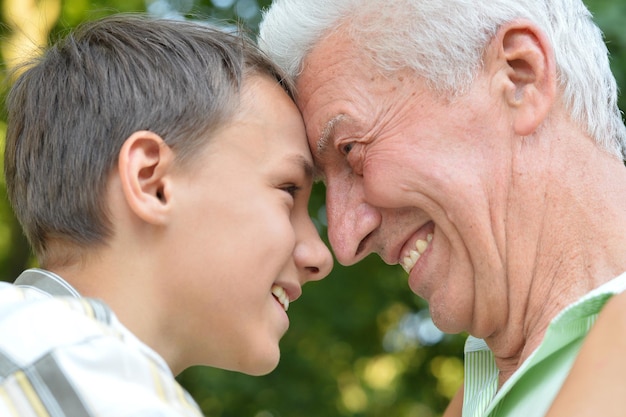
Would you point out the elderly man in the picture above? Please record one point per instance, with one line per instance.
(478, 145)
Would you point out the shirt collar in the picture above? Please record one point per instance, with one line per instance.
(46, 282)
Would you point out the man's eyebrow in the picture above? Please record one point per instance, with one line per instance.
(327, 133)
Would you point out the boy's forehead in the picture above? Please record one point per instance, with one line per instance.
(266, 125)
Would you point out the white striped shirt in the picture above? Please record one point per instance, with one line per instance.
(62, 355)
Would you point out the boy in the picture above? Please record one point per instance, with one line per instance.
(161, 174)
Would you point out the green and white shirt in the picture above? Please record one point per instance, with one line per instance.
(532, 388)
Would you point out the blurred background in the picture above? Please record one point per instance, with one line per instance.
(360, 343)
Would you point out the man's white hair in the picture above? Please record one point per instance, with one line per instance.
(444, 41)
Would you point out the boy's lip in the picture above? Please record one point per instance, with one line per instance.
(291, 292)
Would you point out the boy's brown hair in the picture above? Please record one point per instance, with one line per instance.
(72, 108)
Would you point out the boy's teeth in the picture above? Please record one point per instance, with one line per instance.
(281, 296)
(420, 247)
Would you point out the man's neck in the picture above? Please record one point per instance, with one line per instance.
(571, 238)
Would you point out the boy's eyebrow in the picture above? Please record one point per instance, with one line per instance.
(310, 171)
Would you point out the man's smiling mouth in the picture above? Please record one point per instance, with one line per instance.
(411, 259)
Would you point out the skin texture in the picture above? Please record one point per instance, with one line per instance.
(487, 174)
(198, 248)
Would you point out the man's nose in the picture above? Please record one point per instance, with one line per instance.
(350, 222)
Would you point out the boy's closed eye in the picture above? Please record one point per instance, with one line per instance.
(291, 189)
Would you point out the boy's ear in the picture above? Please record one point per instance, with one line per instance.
(526, 58)
(144, 166)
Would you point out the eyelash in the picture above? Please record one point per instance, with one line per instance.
(292, 189)
(345, 149)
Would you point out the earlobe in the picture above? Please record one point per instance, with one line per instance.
(530, 68)
(144, 165)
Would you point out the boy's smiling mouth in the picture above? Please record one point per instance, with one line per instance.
(281, 295)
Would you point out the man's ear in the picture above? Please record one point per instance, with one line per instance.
(525, 55)
(144, 166)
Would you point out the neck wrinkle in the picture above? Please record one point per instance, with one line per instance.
(577, 250)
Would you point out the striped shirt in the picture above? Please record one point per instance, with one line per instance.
(532, 388)
(62, 355)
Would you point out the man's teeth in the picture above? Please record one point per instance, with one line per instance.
(281, 296)
(420, 247)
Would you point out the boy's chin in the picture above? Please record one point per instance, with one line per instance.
(262, 368)
(258, 365)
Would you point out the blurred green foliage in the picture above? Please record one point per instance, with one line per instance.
(361, 343)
